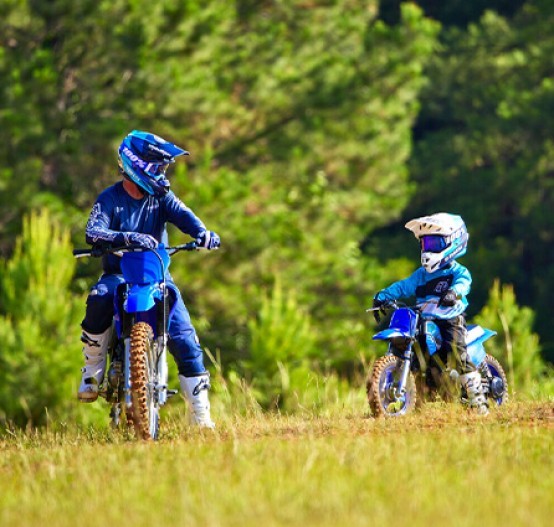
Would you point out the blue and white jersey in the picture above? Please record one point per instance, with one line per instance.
(116, 214)
(428, 288)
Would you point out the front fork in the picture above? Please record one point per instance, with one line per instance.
(127, 374)
(161, 386)
(161, 376)
(400, 388)
(120, 379)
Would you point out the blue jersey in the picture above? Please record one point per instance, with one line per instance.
(116, 214)
(431, 286)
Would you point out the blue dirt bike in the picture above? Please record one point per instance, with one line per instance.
(412, 369)
(136, 382)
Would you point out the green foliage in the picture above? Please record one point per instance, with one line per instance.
(300, 154)
(69, 73)
(299, 116)
(282, 340)
(286, 370)
(308, 388)
(39, 323)
(485, 151)
(282, 332)
(516, 346)
(452, 12)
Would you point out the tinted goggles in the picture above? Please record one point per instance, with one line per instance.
(156, 170)
(433, 243)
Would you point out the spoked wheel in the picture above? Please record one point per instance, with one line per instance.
(494, 380)
(145, 412)
(381, 392)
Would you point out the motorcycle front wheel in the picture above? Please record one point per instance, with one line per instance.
(145, 406)
(381, 389)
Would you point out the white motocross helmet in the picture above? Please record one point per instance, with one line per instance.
(443, 238)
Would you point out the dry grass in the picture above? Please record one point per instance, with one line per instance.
(441, 466)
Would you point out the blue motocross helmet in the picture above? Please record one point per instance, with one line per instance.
(143, 158)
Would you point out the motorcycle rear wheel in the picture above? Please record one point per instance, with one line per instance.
(145, 407)
(496, 371)
(382, 399)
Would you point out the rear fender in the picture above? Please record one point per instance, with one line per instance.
(476, 336)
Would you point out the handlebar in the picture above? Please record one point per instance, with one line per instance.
(395, 304)
(391, 304)
(99, 251)
(190, 246)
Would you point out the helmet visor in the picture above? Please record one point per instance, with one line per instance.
(433, 243)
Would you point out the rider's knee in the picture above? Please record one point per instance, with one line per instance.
(99, 313)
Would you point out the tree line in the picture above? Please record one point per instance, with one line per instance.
(316, 129)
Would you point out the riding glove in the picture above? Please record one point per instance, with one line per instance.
(378, 306)
(448, 299)
(208, 240)
(144, 240)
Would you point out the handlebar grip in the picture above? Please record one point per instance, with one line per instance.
(190, 246)
(98, 251)
(81, 253)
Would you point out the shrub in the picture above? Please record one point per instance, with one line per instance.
(39, 323)
(516, 346)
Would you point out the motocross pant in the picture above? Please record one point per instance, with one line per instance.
(183, 341)
(454, 334)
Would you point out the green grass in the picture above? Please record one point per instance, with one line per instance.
(442, 466)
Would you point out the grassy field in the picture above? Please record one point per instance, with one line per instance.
(442, 466)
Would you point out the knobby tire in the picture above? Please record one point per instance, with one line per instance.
(493, 362)
(141, 361)
(373, 384)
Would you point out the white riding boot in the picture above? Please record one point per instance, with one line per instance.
(94, 350)
(195, 390)
(472, 383)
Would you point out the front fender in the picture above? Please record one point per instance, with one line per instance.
(390, 333)
(402, 324)
(142, 298)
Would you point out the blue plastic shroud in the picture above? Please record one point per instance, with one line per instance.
(145, 267)
(402, 324)
(433, 337)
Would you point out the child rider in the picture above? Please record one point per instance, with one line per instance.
(443, 238)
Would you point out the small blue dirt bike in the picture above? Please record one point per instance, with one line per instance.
(412, 369)
(137, 373)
